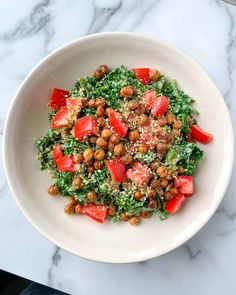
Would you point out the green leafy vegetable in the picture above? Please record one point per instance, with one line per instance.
(185, 154)
(147, 158)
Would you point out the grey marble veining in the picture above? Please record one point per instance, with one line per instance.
(204, 29)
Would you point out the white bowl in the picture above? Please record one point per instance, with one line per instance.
(27, 121)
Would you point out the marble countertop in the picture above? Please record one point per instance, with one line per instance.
(206, 30)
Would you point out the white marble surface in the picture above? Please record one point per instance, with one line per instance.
(205, 29)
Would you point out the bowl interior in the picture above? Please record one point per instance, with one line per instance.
(27, 121)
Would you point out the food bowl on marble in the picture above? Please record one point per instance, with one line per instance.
(27, 121)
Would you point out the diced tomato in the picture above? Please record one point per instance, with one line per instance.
(58, 98)
(118, 125)
(184, 184)
(66, 163)
(199, 135)
(60, 119)
(85, 126)
(143, 74)
(57, 153)
(149, 139)
(160, 106)
(74, 102)
(174, 205)
(149, 98)
(96, 212)
(117, 169)
(139, 174)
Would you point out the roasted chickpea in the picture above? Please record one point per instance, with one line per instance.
(151, 193)
(176, 132)
(104, 69)
(93, 139)
(133, 135)
(111, 147)
(72, 200)
(119, 149)
(138, 195)
(100, 111)
(143, 120)
(97, 165)
(155, 75)
(115, 138)
(88, 163)
(99, 155)
(101, 121)
(180, 169)
(154, 165)
(142, 148)
(168, 196)
(97, 74)
(78, 158)
(91, 103)
(77, 209)
(91, 169)
(188, 137)
(99, 102)
(155, 183)
(124, 217)
(109, 111)
(76, 182)
(177, 124)
(174, 190)
(170, 118)
(162, 121)
(140, 111)
(134, 220)
(127, 91)
(69, 208)
(111, 210)
(127, 159)
(146, 214)
(152, 204)
(101, 142)
(88, 154)
(53, 190)
(133, 105)
(162, 171)
(91, 196)
(164, 183)
(106, 133)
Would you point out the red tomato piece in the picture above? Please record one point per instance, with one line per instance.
(174, 205)
(117, 124)
(149, 98)
(66, 163)
(74, 102)
(57, 153)
(58, 98)
(139, 174)
(184, 184)
(199, 135)
(85, 126)
(149, 139)
(96, 212)
(60, 119)
(143, 74)
(160, 106)
(116, 169)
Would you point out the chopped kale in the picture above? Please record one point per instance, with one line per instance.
(72, 146)
(45, 146)
(180, 104)
(147, 158)
(186, 154)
